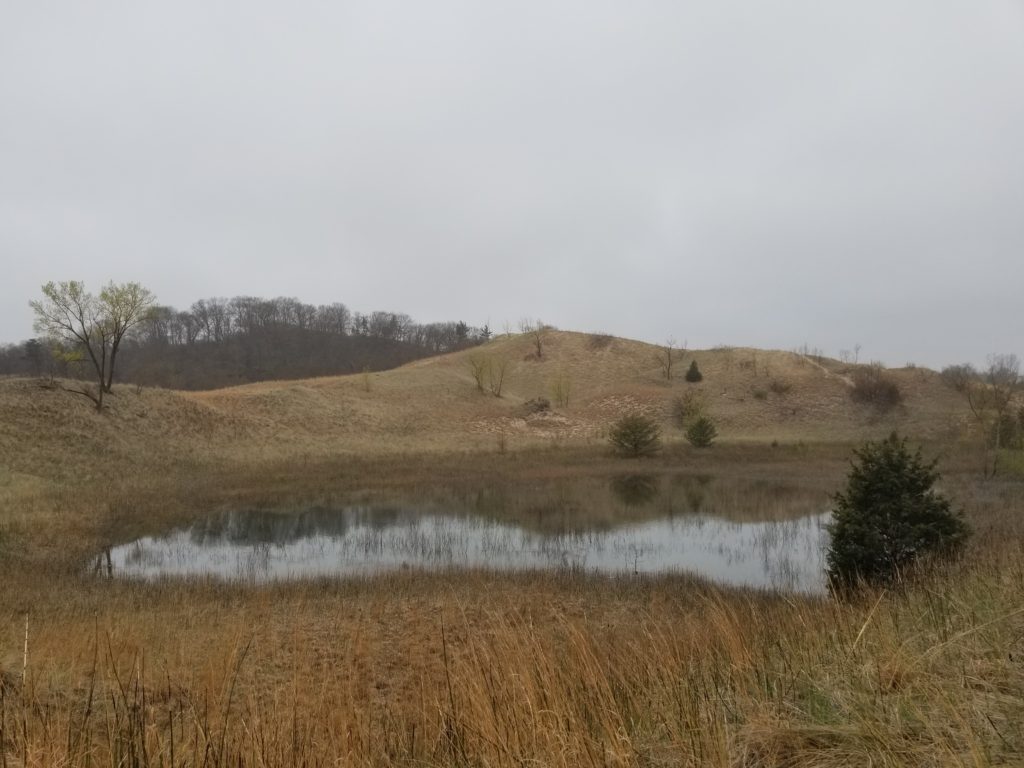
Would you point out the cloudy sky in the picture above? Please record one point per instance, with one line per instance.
(755, 173)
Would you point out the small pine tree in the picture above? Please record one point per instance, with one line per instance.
(693, 374)
(702, 432)
(636, 435)
(889, 515)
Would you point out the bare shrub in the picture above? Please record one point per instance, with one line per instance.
(959, 377)
(687, 408)
(561, 389)
(496, 375)
(537, 331)
(873, 386)
(489, 371)
(537, 405)
(478, 367)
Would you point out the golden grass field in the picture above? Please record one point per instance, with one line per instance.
(457, 668)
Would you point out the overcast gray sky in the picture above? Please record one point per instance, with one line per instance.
(750, 173)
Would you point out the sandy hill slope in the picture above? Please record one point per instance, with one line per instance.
(434, 404)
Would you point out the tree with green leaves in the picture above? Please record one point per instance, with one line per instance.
(888, 516)
(693, 374)
(635, 435)
(90, 328)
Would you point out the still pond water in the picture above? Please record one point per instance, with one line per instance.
(738, 534)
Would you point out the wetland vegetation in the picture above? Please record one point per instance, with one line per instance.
(475, 666)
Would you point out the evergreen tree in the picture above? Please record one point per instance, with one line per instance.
(636, 435)
(889, 515)
(702, 433)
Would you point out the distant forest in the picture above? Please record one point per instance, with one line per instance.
(222, 342)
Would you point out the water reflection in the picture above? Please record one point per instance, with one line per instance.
(635, 524)
(635, 490)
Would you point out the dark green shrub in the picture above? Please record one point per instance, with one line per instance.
(693, 374)
(702, 432)
(888, 516)
(636, 435)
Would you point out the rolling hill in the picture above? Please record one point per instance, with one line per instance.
(434, 404)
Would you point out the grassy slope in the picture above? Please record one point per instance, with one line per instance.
(433, 405)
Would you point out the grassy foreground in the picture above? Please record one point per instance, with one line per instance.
(477, 669)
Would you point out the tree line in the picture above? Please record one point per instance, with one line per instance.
(216, 319)
(217, 341)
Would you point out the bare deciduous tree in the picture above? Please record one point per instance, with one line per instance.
(959, 377)
(489, 370)
(991, 398)
(496, 374)
(478, 366)
(668, 355)
(537, 330)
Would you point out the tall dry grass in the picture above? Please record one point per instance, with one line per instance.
(478, 669)
(530, 671)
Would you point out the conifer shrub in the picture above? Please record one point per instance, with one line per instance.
(693, 374)
(702, 432)
(888, 516)
(635, 435)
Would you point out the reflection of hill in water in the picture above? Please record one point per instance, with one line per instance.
(552, 507)
(586, 504)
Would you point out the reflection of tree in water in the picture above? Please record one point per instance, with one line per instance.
(695, 491)
(548, 507)
(266, 527)
(635, 490)
(494, 500)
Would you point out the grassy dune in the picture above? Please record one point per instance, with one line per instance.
(434, 405)
(559, 669)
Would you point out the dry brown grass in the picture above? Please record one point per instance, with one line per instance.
(474, 668)
(477, 670)
(434, 405)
